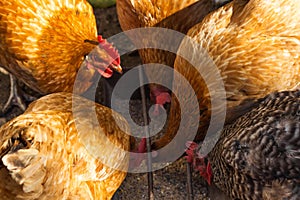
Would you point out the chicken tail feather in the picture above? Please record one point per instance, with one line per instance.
(26, 168)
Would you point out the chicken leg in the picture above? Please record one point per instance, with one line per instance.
(15, 98)
(198, 161)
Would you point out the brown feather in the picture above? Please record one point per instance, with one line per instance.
(255, 47)
(179, 16)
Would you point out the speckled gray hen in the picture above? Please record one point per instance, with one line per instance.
(258, 156)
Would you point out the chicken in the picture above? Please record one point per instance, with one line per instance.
(175, 15)
(257, 157)
(253, 45)
(63, 147)
(48, 44)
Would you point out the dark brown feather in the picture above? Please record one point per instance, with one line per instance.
(258, 156)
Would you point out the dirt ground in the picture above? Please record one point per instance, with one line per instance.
(170, 182)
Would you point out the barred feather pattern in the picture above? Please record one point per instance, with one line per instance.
(258, 157)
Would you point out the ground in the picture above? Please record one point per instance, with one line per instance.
(170, 182)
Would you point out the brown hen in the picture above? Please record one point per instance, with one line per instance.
(257, 157)
(176, 15)
(63, 147)
(46, 43)
(253, 45)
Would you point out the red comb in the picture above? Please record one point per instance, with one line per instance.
(110, 50)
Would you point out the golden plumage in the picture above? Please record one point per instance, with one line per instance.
(255, 47)
(63, 147)
(42, 43)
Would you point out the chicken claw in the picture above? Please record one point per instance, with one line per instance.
(15, 98)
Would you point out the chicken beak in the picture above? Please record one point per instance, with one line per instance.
(116, 68)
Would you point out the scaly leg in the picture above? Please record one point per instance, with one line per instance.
(198, 161)
(15, 99)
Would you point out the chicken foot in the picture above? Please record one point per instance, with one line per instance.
(198, 161)
(16, 97)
